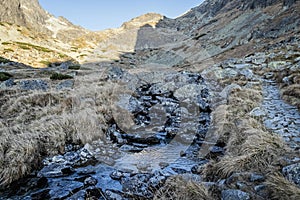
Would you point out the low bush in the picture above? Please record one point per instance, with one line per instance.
(74, 67)
(58, 76)
(4, 76)
(4, 60)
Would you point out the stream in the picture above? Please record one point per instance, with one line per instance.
(160, 120)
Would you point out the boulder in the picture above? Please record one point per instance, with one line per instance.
(234, 195)
(292, 173)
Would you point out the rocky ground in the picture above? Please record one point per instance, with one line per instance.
(165, 113)
(186, 112)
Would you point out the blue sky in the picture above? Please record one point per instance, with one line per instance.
(102, 14)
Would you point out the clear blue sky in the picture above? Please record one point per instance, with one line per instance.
(102, 14)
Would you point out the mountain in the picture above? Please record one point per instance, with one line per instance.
(236, 27)
(30, 14)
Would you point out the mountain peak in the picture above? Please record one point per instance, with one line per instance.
(149, 18)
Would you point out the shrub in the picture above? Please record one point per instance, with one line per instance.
(4, 60)
(45, 62)
(7, 50)
(74, 67)
(4, 76)
(58, 76)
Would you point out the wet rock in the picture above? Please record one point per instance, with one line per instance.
(117, 175)
(55, 170)
(42, 194)
(90, 181)
(137, 186)
(114, 195)
(67, 84)
(93, 192)
(129, 148)
(292, 173)
(234, 195)
(33, 85)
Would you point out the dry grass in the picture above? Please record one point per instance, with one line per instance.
(250, 148)
(291, 94)
(282, 189)
(36, 124)
(261, 152)
(181, 188)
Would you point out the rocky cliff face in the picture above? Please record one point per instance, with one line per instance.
(27, 13)
(226, 26)
(30, 14)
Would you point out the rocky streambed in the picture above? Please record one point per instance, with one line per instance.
(160, 120)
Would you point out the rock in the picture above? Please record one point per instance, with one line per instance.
(33, 85)
(256, 178)
(90, 181)
(113, 195)
(277, 65)
(137, 186)
(292, 173)
(247, 73)
(117, 175)
(234, 195)
(190, 91)
(228, 89)
(243, 66)
(55, 170)
(67, 84)
(216, 149)
(7, 84)
(259, 59)
(241, 185)
(78, 196)
(269, 75)
(129, 148)
(42, 194)
(115, 72)
(257, 112)
(259, 188)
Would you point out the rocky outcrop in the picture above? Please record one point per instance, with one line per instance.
(30, 14)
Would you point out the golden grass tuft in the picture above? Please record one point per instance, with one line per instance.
(261, 152)
(291, 94)
(35, 124)
(181, 188)
(282, 189)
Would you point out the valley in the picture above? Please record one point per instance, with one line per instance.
(204, 106)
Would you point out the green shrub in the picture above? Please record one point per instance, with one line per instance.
(58, 76)
(27, 46)
(4, 76)
(4, 60)
(74, 67)
(6, 43)
(45, 62)
(7, 50)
